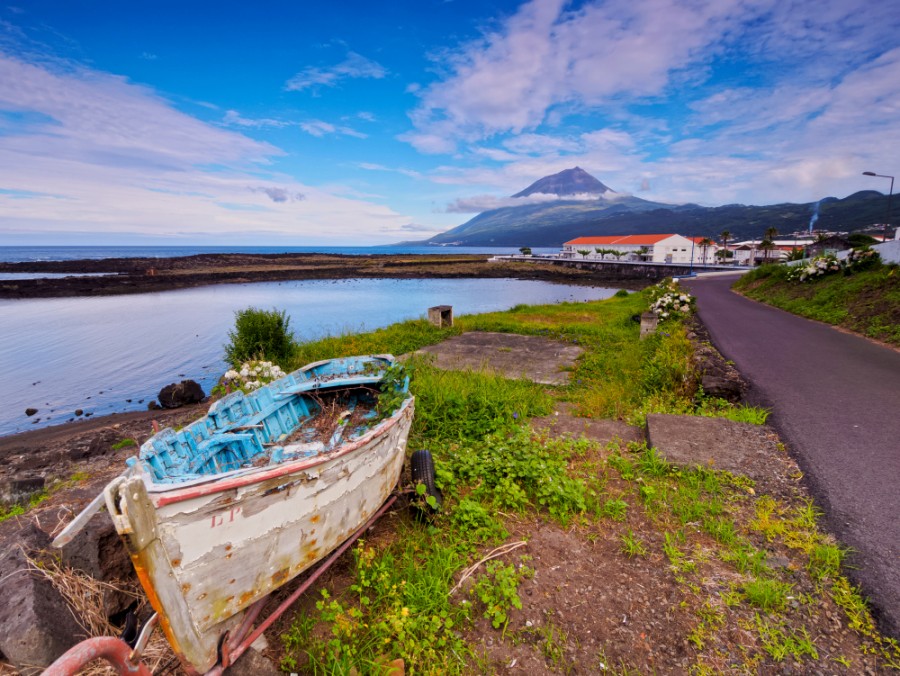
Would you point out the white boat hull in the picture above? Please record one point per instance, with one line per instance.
(207, 551)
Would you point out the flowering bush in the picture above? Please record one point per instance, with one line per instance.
(672, 304)
(862, 259)
(814, 268)
(253, 375)
(670, 300)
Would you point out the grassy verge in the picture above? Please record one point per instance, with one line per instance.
(707, 533)
(866, 302)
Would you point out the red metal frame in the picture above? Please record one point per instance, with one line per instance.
(127, 661)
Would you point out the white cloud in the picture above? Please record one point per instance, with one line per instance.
(479, 203)
(88, 151)
(354, 66)
(546, 56)
(317, 128)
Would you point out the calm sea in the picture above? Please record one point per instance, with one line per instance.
(114, 353)
(19, 254)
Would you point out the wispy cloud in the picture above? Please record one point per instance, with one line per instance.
(708, 102)
(317, 128)
(94, 152)
(320, 128)
(354, 66)
(279, 195)
(479, 203)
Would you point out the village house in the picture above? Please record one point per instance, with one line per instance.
(750, 252)
(667, 248)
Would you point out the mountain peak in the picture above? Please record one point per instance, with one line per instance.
(574, 181)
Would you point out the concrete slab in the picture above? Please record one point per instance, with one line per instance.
(713, 442)
(564, 423)
(511, 355)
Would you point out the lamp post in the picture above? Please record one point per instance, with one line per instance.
(887, 220)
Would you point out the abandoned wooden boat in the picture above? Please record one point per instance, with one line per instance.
(222, 512)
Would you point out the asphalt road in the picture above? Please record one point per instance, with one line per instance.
(835, 401)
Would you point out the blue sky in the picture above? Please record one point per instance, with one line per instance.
(353, 123)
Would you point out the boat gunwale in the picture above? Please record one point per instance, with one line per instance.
(167, 494)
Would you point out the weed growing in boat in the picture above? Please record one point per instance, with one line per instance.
(394, 389)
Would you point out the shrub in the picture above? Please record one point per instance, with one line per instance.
(862, 259)
(816, 267)
(259, 334)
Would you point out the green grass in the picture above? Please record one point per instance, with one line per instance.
(866, 302)
(496, 476)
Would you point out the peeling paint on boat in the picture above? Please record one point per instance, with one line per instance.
(208, 550)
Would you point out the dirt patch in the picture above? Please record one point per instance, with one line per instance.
(514, 356)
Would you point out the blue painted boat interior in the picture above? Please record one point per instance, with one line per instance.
(245, 430)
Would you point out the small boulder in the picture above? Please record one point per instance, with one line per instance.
(30, 411)
(36, 625)
(721, 387)
(181, 394)
(21, 487)
(79, 411)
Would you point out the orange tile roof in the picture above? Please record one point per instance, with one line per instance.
(640, 240)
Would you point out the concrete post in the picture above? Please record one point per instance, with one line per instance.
(441, 315)
(649, 322)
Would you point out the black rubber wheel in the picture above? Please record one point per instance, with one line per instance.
(421, 466)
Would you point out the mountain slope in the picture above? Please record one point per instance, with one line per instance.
(575, 181)
(550, 224)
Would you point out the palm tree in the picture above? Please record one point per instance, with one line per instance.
(705, 243)
(766, 245)
(768, 242)
(725, 235)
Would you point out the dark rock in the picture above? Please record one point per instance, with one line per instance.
(30, 411)
(99, 552)
(181, 394)
(153, 406)
(78, 411)
(721, 387)
(36, 461)
(20, 488)
(36, 625)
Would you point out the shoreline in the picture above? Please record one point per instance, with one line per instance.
(152, 275)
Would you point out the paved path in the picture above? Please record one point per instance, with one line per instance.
(835, 401)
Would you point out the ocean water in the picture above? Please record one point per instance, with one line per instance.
(19, 254)
(114, 353)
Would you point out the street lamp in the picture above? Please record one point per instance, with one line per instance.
(887, 220)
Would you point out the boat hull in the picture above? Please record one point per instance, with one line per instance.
(204, 553)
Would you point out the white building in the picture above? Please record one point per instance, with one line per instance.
(653, 248)
(750, 252)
